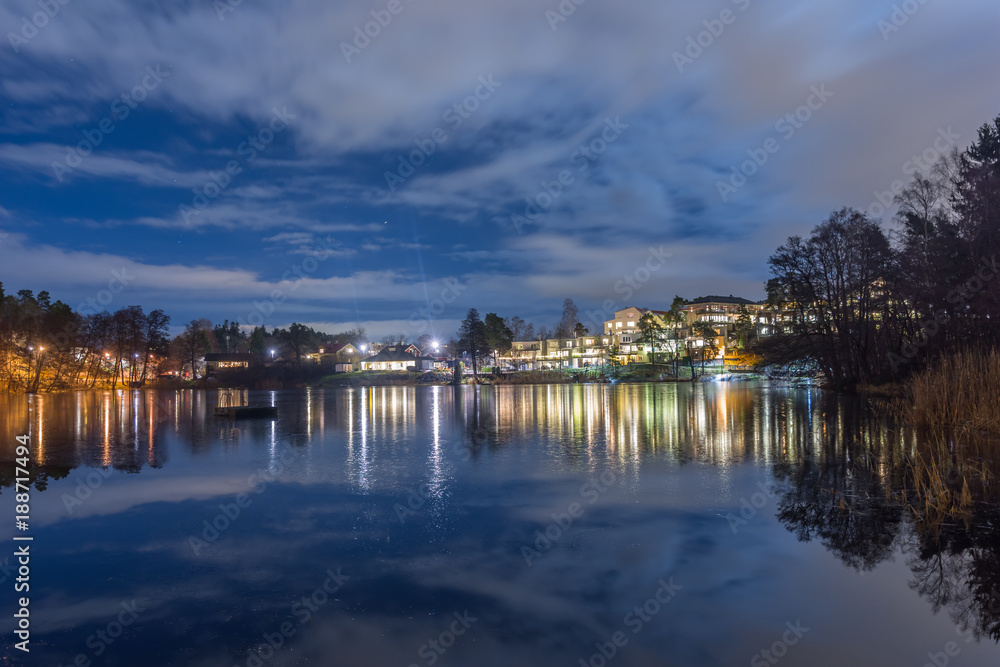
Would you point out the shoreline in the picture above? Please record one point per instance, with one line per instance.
(414, 379)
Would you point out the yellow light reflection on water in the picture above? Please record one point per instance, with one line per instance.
(584, 426)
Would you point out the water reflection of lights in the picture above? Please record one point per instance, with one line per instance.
(309, 413)
(106, 423)
(360, 460)
(436, 460)
(135, 420)
(273, 438)
(587, 425)
(39, 438)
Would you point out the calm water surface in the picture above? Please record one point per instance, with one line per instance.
(540, 525)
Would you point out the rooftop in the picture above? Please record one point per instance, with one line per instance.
(736, 300)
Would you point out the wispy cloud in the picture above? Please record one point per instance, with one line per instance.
(354, 120)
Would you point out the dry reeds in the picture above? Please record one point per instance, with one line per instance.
(946, 479)
(960, 391)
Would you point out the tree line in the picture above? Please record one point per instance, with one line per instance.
(874, 305)
(46, 346)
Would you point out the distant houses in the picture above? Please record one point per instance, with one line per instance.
(398, 358)
(229, 360)
(710, 329)
(341, 357)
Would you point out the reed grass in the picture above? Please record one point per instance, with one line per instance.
(961, 391)
(947, 477)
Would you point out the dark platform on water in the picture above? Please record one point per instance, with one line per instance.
(247, 412)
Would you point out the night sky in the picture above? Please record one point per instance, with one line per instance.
(271, 162)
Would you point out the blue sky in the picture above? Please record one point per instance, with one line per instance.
(490, 104)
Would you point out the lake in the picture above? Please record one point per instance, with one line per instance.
(661, 524)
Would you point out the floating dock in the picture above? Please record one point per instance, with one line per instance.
(247, 412)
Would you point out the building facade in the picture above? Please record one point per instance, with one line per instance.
(714, 323)
(551, 353)
(398, 358)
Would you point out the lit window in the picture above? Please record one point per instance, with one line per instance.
(618, 324)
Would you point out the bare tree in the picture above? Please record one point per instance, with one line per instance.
(155, 337)
(567, 322)
(839, 280)
(193, 344)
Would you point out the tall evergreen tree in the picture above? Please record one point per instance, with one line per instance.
(472, 338)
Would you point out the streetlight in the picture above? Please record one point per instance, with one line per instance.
(364, 348)
(272, 355)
